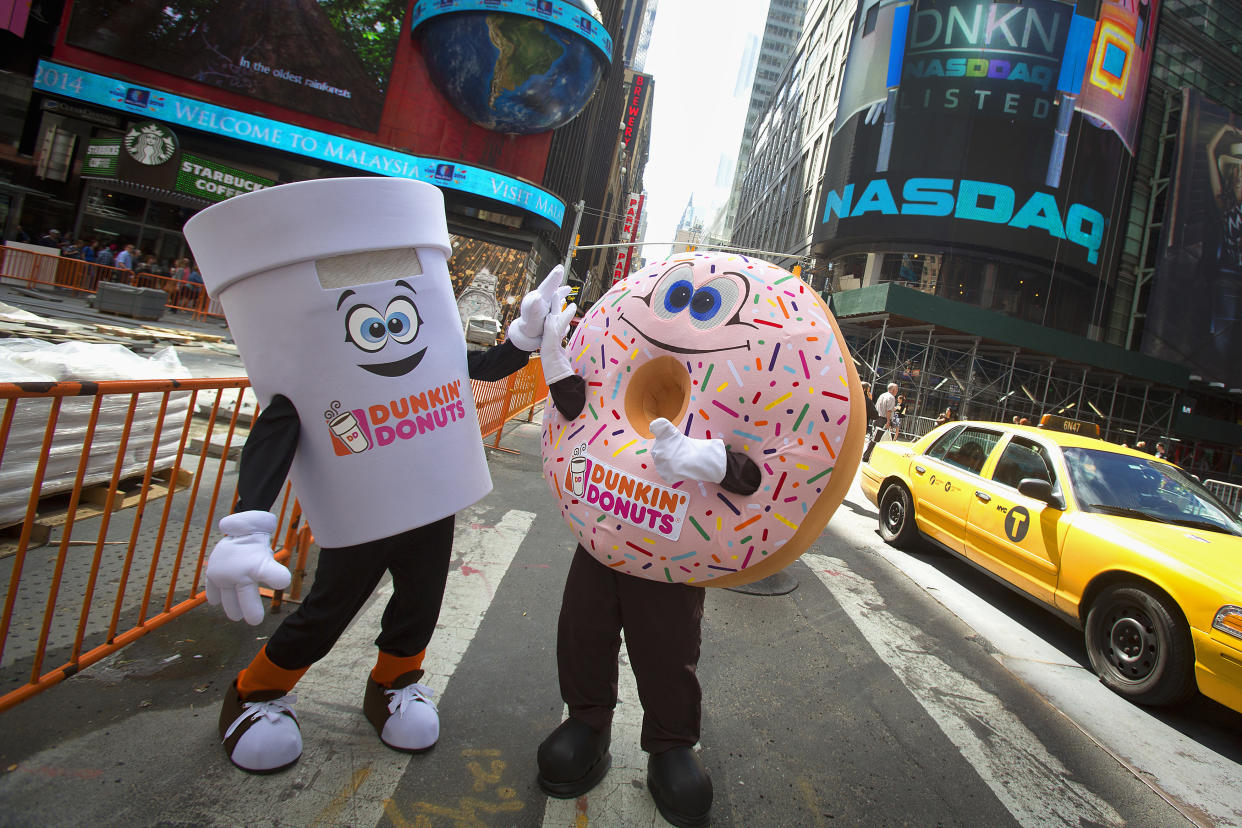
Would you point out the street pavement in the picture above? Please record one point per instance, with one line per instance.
(878, 692)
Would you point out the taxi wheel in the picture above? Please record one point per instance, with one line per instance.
(1139, 645)
(897, 516)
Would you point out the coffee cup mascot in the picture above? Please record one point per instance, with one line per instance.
(708, 421)
(338, 296)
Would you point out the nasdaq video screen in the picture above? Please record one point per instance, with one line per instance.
(998, 127)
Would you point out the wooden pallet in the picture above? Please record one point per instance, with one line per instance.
(53, 510)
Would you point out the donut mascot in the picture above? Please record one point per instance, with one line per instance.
(707, 422)
(338, 295)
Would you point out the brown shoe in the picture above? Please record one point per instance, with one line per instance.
(260, 733)
(403, 714)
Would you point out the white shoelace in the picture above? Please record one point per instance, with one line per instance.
(270, 710)
(410, 694)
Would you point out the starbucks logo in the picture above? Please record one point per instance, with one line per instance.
(150, 143)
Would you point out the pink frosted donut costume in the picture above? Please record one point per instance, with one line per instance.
(725, 347)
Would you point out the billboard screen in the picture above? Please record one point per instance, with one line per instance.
(328, 58)
(1002, 127)
(1196, 297)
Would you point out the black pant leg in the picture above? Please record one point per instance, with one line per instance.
(419, 563)
(344, 578)
(663, 630)
(588, 639)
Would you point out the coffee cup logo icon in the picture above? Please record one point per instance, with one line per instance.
(346, 427)
(577, 475)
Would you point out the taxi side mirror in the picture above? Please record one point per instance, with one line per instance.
(1039, 489)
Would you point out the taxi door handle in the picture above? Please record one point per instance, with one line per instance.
(984, 496)
(920, 469)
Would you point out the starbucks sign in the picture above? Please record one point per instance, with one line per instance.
(150, 144)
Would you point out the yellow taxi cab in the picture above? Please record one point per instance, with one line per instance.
(1129, 548)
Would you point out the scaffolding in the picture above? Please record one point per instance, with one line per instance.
(936, 368)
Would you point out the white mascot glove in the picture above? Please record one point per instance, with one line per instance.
(240, 562)
(526, 332)
(552, 354)
(678, 457)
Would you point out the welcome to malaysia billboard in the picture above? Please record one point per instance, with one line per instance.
(328, 58)
(1194, 313)
(1002, 127)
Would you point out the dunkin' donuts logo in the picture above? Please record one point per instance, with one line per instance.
(649, 506)
(356, 430)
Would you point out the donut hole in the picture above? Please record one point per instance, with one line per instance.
(659, 388)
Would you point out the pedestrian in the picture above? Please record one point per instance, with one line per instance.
(947, 416)
(883, 421)
(899, 415)
(125, 263)
(872, 414)
(106, 256)
(70, 249)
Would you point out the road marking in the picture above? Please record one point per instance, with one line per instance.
(1028, 780)
(1197, 780)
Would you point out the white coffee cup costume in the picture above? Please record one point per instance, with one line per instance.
(379, 376)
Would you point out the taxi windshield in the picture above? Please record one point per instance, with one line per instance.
(1119, 484)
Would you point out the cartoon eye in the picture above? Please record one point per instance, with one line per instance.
(402, 320)
(366, 328)
(713, 302)
(672, 294)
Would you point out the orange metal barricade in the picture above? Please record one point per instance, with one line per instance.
(499, 402)
(109, 492)
(42, 270)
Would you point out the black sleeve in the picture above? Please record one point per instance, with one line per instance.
(569, 396)
(496, 362)
(267, 455)
(742, 475)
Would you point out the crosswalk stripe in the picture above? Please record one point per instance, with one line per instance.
(345, 774)
(1028, 780)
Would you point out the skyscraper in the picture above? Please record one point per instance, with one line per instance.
(780, 36)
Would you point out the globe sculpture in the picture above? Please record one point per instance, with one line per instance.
(515, 67)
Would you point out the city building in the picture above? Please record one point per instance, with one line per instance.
(781, 33)
(91, 91)
(1017, 237)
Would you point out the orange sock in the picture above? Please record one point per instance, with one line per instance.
(388, 668)
(262, 675)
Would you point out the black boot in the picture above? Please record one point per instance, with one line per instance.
(573, 759)
(680, 786)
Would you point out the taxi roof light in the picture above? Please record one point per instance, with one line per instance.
(1052, 422)
(1229, 620)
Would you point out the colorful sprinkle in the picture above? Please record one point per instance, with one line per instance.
(777, 402)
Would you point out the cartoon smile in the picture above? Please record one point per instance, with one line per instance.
(397, 368)
(681, 349)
